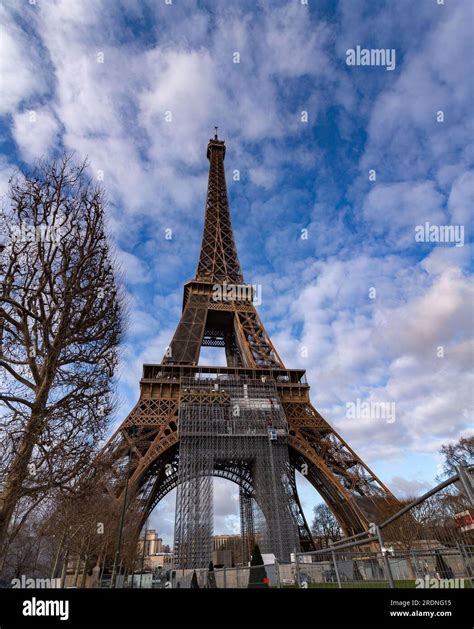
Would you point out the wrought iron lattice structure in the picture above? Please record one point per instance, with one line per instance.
(218, 310)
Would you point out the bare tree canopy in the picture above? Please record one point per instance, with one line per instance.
(61, 320)
(325, 527)
(455, 454)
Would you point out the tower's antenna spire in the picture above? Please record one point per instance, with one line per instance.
(218, 260)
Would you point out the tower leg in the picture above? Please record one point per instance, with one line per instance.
(194, 498)
(247, 525)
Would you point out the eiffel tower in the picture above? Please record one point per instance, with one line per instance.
(185, 429)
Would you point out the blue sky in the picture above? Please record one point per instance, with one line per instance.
(100, 77)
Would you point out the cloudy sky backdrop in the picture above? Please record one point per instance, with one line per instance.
(100, 77)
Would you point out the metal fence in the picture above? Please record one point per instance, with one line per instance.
(442, 567)
(436, 567)
(419, 546)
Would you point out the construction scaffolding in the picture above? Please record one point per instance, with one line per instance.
(240, 422)
(247, 525)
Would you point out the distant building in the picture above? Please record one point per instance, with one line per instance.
(232, 543)
(153, 543)
(161, 560)
(223, 558)
(153, 555)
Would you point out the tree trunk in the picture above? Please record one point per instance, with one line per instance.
(64, 570)
(18, 472)
(19, 469)
(86, 559)
(58, 553)
(78, 563)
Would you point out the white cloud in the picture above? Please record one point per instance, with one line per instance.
(177, 81)
(405, 140)
(35, 132)
(262, 177)
(461, 200)
(20, 71)
(292, 49)
(394, 341)
(408, 488)
(135, 269)
(396, 209)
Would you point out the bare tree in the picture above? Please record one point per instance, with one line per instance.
(83, 527)
(325, 527)
(61, 319)
(455, 454)
(461, 453)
